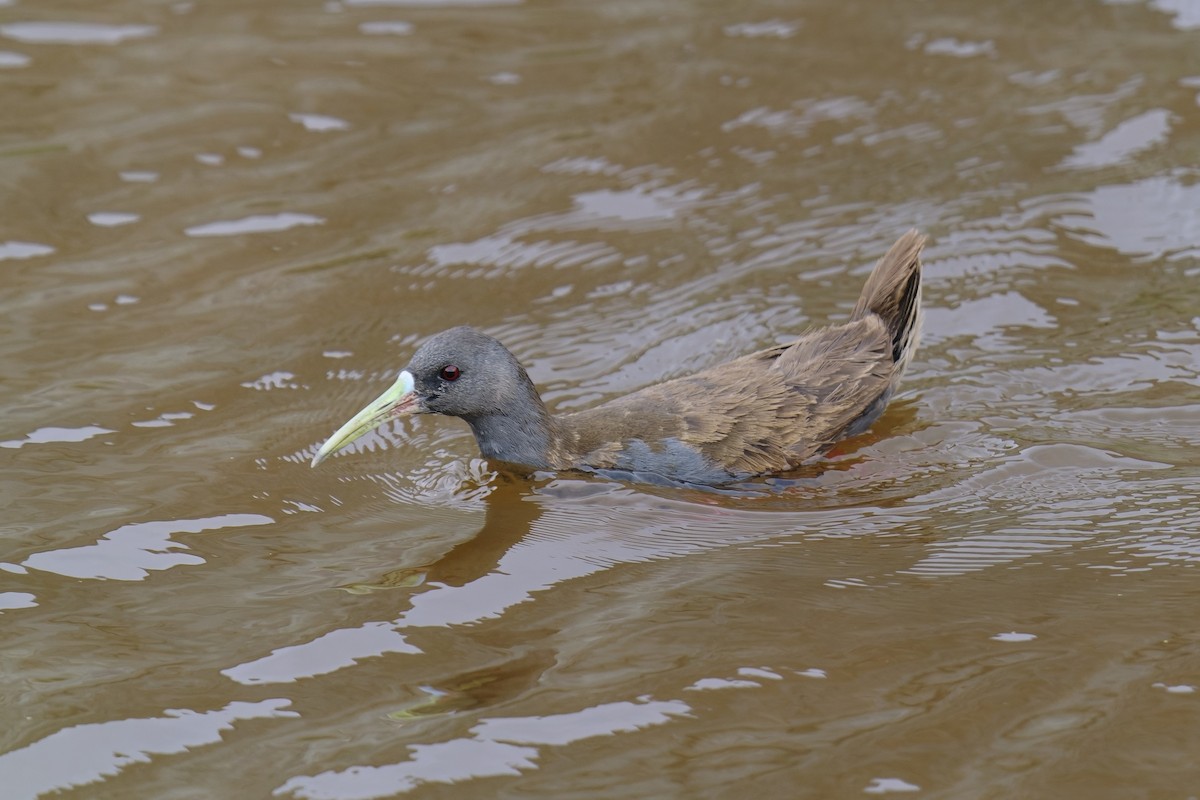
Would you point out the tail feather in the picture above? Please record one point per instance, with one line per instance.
(893, 291)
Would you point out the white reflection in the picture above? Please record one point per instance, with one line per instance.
(1186, 13)
(496, 747)
(709, 684)
(139, 176)
(602, 720)
(273, 380)
(1153, 218)
(319, 122)
(1124, 141)
(431, 3)
(89, 753)
(987, 318)
(261, 223)
(74, 32)
(1180, 688)
(11, 60)
(10, 600)
(164, 420)
(335, 650)
(637, 204)
(111, 219)
(889, 785)
(953, 47)
(802, 116)
(386, 28)
(131, 552)
(14, 250)
(431, 763)
(51, 435)
(560, 548)
(772, 28)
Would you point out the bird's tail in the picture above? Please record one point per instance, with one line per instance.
(893, 291)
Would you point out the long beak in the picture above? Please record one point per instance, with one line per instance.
(395, 402)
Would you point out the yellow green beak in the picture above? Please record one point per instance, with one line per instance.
(395, 402)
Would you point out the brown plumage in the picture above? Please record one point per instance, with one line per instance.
(762, 413)
(771, 410)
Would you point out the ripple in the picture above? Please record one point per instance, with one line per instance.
(506, 250)
(1090, 112)
(1177, 426)
(1046, 498)
(998, 245)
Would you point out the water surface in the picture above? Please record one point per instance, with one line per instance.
(225, 227)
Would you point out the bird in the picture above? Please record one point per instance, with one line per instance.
(761, 414)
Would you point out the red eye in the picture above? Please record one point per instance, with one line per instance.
(450, 373)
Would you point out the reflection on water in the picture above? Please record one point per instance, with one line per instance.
(498, 746)
(226, 227)
(131, 552)
(74, 32)
(255, 224)
(87, 754)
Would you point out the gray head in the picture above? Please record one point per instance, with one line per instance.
(463, 373)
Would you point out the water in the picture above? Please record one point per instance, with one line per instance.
(225, 228)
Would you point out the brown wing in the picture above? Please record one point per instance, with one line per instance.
(764, 412)
(845, 374)
(770, 410)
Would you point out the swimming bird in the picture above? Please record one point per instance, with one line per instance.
(763, 413)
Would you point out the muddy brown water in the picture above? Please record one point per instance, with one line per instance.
(224, 227)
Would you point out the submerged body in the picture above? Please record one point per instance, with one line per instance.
(766, 412)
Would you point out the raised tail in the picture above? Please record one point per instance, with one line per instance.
(893, 291)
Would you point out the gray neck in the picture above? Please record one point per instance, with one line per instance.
(519, 435)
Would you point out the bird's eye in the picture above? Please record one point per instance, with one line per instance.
(450, 373)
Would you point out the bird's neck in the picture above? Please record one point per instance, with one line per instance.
(521, 433)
